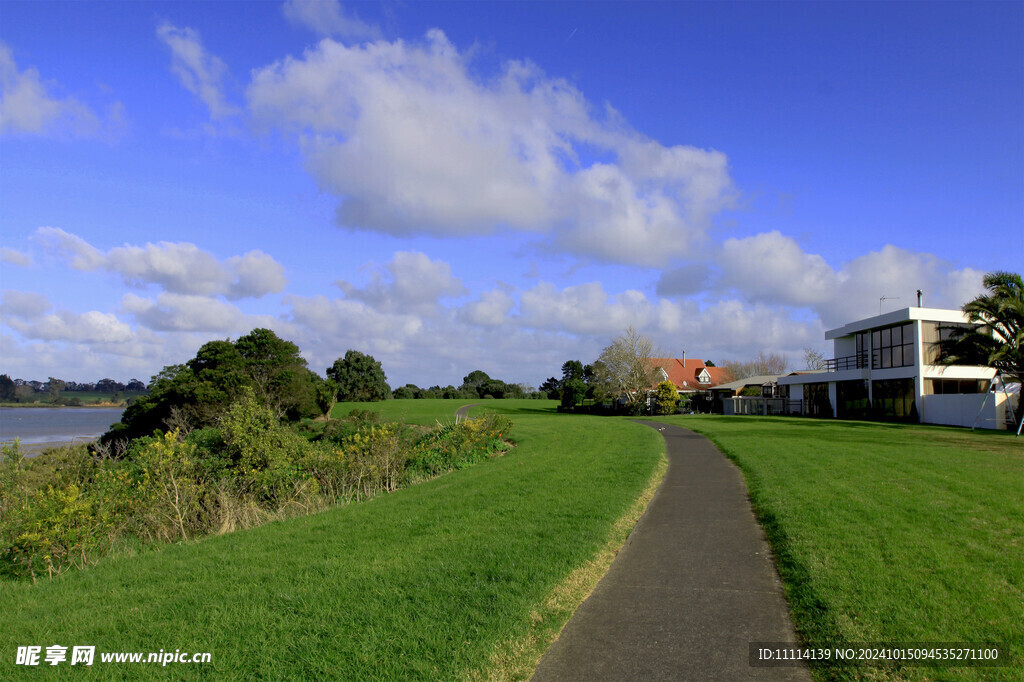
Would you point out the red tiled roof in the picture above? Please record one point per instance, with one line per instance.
(685, 373)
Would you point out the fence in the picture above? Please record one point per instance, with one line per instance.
(763, 406)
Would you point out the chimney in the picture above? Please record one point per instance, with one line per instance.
(684, 358)
(920, 298)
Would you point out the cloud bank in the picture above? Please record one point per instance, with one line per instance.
(179, 268)
(412, 142)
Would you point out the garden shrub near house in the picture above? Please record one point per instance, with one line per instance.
(666, 398)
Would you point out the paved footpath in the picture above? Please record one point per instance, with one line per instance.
(693, 586)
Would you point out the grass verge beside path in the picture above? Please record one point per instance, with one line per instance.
(889, 533)
(438, 581)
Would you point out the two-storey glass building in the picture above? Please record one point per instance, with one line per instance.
(884, 368)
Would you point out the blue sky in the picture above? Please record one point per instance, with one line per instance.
(496, 186)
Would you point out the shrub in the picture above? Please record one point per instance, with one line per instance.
(460, 444)
(47, 527)
(70, 506)
(666, 398)
(170, 489)
(263, 453)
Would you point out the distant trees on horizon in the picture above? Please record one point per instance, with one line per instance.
(31, 390)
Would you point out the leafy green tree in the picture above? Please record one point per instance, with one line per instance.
(449, 392)
(997, 337)
(473, 381)
(407, 392)
(6, 388)
(277, 372)
(24, 394)
(109, 386)
(135, 386)
(666, 398)
(55, 386)
(172, 390)
(326, 397)
(198, 392)
(573, 392)
(218, 370)
(360, 378)
(553, 387)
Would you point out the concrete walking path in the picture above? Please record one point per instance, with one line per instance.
(693, 586)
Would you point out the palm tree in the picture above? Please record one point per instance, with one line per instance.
(997, 340)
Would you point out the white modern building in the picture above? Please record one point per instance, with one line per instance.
(884, 368)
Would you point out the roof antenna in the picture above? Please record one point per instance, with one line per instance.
(886, 298)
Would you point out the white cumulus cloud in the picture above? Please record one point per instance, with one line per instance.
(584, 309)
(410, 282)
(897, 274)
(89, 327)
(27, 305)
(328, 17)
(181, 312)
(15, 257)
(411, 141)
(178, 267)
(28, 106)
(772, 267)
(198, 71)
(490, 310)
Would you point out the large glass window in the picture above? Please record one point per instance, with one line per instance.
(816, 402)
(933, 332)
(852, 399)
(960, 386)
(892, 347)
(863, 349)
(894, 399)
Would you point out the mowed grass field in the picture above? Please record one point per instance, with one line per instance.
(889, 533)
(429, 411)
(469, 575)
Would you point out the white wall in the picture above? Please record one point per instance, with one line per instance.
(962, 410)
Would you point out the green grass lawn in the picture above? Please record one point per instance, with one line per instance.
(428, 411)
(449, 579)
(889, 533)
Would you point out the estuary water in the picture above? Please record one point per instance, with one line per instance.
(41, 426)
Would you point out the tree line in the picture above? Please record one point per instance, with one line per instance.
(31, 390)
(194, 394)
(476, 384)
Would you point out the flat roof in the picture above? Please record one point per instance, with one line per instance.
(896, 317)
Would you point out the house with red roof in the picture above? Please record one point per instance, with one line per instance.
(689, 375)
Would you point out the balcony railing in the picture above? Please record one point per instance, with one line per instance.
(858, 361)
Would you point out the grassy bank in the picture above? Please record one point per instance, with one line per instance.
(440, 581)
(889, 533)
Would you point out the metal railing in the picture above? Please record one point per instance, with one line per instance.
(858, 361)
